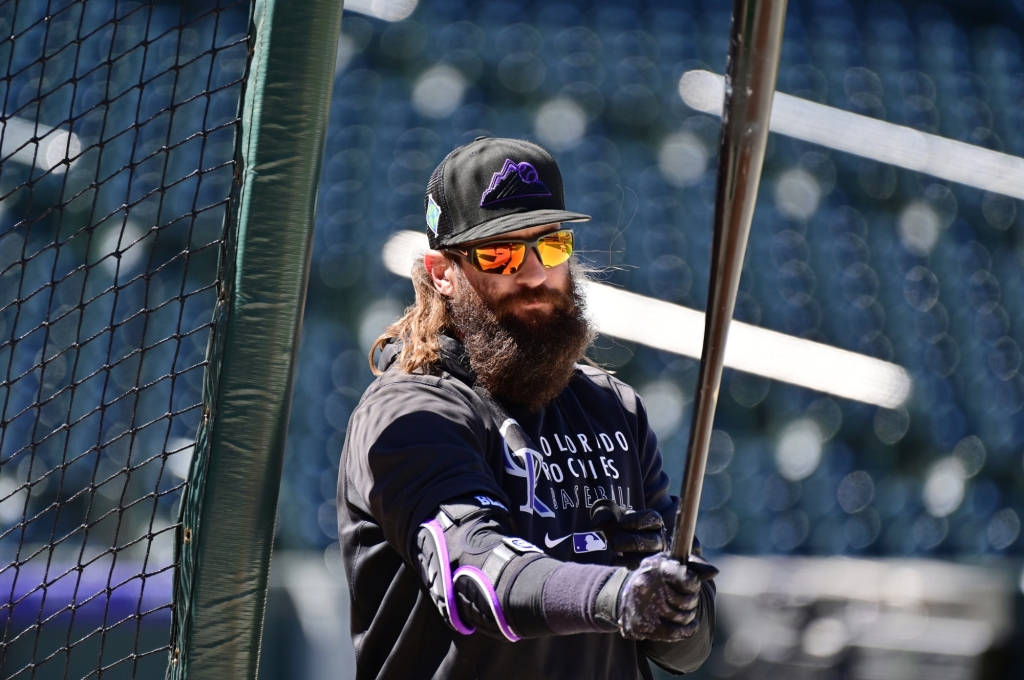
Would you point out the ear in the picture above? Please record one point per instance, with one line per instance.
(441, 270)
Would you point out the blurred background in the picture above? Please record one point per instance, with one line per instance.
(855, 541)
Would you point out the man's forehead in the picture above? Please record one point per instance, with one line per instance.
(526, 234)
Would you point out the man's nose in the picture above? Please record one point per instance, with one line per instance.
(532, 273)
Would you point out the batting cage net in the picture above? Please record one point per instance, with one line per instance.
(118, 132)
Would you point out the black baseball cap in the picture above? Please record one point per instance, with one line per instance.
(493, 186)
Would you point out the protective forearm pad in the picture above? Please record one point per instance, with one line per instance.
(477, 591)
(482, 580)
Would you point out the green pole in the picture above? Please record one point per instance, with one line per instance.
(230, 504)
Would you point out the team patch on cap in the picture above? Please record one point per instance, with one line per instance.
(514, 180)
(433, 213)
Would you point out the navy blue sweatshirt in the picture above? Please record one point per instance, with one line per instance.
(416, 441)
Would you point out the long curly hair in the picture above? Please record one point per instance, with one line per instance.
(419, 326)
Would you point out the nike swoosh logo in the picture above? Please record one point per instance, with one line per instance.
(551, 543)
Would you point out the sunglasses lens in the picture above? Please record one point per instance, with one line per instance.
(507, 258)
(501, 258)
(556, 248)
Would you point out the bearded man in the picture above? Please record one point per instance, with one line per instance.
(502, 506)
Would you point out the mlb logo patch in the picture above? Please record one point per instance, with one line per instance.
(433, 213)
(588, 541)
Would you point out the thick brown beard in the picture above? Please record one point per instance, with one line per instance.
(523, 362)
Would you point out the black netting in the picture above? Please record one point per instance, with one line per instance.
(117, 143)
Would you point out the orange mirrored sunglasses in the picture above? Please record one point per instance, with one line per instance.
(506, 257)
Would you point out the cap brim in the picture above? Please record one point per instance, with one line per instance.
(515, 222)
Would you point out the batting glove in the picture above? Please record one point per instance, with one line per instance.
(660, 598)
(633, 534)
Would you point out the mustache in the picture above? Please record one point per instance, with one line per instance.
(560, 300)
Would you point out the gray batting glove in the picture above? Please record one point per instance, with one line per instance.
(659, 599)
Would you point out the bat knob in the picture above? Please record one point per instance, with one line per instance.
(701, 567)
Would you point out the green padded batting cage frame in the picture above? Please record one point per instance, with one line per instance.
(159, 164)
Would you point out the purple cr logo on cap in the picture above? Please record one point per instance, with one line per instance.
(514, 180)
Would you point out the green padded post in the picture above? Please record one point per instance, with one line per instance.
(230, 505)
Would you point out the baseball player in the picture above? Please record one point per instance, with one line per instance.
(502, 506)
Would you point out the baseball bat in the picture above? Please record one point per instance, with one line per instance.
(755, 41)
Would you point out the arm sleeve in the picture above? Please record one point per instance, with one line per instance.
(687, 655)
(411, 446)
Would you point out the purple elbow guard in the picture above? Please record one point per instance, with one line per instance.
(469, 581)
